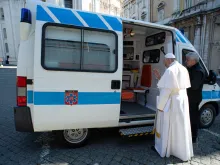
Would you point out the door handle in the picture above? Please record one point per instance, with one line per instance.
(115, 84)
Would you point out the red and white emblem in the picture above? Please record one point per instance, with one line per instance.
(71, 97)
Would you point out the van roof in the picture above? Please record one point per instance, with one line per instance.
(48, 12)
(64, 15)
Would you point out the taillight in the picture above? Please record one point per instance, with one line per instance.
(21, 81)
(21, 100)
(21, 91)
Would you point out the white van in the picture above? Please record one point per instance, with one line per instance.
(80, 70)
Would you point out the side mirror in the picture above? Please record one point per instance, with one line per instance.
(212, 78)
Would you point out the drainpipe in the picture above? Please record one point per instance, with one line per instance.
(203, 34)
(211, 40)
(151, 10)
(138, 11)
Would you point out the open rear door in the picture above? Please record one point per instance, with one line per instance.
(77, 69)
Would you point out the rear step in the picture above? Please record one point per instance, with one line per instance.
(136, 116)
(137, 131)
(131, 118)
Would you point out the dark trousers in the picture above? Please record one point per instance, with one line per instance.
(194, 118)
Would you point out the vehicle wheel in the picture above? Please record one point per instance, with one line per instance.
(74, 137)
(207, 116)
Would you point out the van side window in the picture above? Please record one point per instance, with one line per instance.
(185, 52)
(75, 49)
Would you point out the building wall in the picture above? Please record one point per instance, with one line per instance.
(169, 8)
(137, 9)
(214, 46)
(10, 24)
(112, 7)
(197, 19)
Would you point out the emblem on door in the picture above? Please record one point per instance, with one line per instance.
(71, 97)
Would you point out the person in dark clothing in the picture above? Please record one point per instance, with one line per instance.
(197, 77)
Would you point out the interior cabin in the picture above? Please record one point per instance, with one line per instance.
(143, 51)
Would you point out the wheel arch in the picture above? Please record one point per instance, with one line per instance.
(214, 104)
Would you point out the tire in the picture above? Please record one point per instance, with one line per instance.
(207, 116)
(74, 138)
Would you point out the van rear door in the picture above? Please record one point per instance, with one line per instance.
(77, 69)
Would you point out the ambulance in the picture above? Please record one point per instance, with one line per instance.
(81, 70)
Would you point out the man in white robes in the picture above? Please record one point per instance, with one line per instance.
(172, 124)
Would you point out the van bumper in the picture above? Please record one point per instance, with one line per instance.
(22, 119)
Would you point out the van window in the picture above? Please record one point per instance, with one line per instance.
(62, 54)
(99, 51)
(75, 49)
(151, 56)
(155, 39)
(185, 52)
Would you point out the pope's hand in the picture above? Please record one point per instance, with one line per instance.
(160, 110)
(156, 73)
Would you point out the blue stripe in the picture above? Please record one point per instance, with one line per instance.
(206, 94)
(185, 38)
(42, 15)
(114, 23)
(177, 40)
(215, 94)
(30, 97)
(180, 33)
(84, 98)
(99, 98)
(210, 95)
(49, 98)
(93, 20)
(65, 16)
(181, 38)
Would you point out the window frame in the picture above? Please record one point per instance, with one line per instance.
(4, 33)
(161, 14)
(81, 52)
(200, 60)
(151, 51)
(154, 38)
(6, 48)
(2, 14)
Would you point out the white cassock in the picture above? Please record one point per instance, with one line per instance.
(172, 126)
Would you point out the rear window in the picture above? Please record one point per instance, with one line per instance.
(75, 49)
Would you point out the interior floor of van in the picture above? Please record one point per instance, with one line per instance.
(133, 108)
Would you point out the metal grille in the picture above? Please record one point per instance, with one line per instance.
(137, 130)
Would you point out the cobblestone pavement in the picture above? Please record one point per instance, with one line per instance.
(105, 146)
